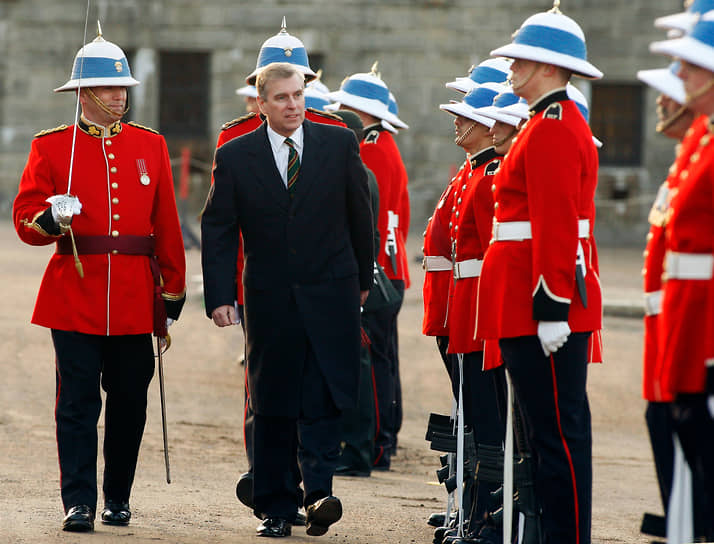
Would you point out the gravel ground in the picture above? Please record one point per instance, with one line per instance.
(204, 395)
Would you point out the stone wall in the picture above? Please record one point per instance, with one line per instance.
(420, 44)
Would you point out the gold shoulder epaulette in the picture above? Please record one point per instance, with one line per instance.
(238, 121)
(51, 130)
(137, 125)
(326, 114)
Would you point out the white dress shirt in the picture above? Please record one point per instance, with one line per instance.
(281, 150)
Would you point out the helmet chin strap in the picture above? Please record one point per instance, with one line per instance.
(666, 124)
(699, 93)
(460, 139)
(503, 140)
(523, 83)
(103, 106)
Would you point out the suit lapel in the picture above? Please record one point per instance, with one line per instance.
(263, 164)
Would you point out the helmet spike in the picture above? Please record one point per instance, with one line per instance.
(373, 71)
(283, 26)
(556, 7)
(99, 37)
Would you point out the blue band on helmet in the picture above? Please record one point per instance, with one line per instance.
(701, 6)
(316, 103)
(553, 39)
(100, 67)
(703, 32)
(583, 110)
(505, 99)
(480, 97)
(393, 108)
(484, 74)
(278, 54)
(365, 89)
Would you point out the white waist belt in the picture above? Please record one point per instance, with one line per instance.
(653, 303)
(467, 269)
(521, 230)
(689, 266)
(436, 263)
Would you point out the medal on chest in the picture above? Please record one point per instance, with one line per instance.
(143, 172)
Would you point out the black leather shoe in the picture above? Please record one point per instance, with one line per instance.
(116, 513)
(321, 514)
(300, 519)
(274, 528)
(79, 519)
(350, 470)
(244, 489)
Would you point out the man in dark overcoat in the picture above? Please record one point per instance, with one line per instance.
(297, 191)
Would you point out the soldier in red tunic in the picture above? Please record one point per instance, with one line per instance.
(126, 278)
(368, 96)
(686, 346)
(469, 233)
(539, 284)
(677, 122)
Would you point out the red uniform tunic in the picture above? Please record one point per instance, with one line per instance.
(686, 342)
(124, 183)
(548, 179)
(244, 125)
(437, 243)
(654, 261)
(380, 154)
(471, 220)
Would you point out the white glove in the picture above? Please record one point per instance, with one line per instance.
(169, 322)
(552, 335)
(64, 207)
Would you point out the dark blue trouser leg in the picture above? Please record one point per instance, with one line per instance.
(552, 396)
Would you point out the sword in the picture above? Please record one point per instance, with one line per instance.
(508, 468)
(163, 410)
(66, 203)
(580, 272)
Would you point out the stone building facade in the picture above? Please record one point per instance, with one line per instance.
(191, 55)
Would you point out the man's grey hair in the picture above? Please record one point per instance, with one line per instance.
(275, 70)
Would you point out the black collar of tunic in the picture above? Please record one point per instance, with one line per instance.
(97, 130)
(483, 156)
(555, 96)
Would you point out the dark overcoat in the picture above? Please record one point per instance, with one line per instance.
(308, 253)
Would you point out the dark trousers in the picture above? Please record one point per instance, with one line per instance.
(313, 438)
(357, 425)
(398, 409)
(124, 366)
(553, 400)
(695, 429)
(661, 431)
(442, 344)
(381, 327)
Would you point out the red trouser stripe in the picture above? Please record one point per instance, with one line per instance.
(376, 404)
(567, 452)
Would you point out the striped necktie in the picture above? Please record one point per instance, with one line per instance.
(293, 164)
